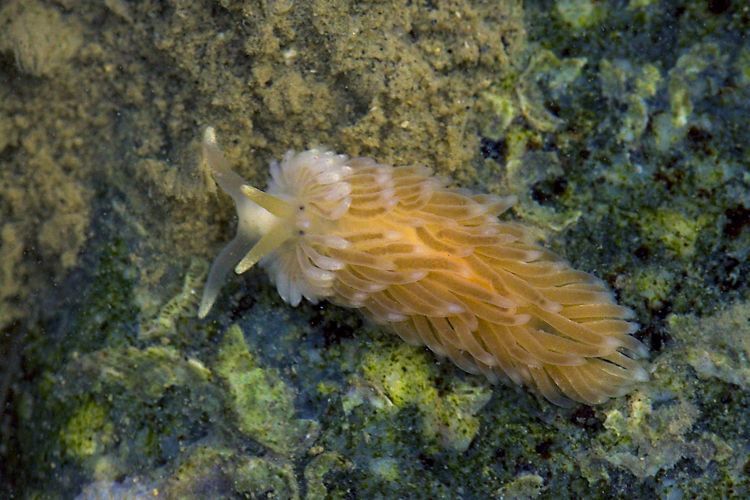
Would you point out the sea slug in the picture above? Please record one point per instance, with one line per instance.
(433, 263)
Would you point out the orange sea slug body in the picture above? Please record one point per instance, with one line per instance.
(433, 263)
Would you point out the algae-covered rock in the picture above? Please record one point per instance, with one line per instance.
(537, 169)
(631, 87)
(653, 436)
(525, 486)
(654, 285)
(257, 477)
(180, 306)
(88, 431)
(545, 77)
(666, 424)
(526, 94)
(203, 472)
(128, 488)
(678, 232)
(144, 374)
(501, 110)
(42, 40)
(11, 253)
(580, 14)
(717, 346)
(130, 405)
(213, 471)
(262, 402)
(318, 469)
(406, 378)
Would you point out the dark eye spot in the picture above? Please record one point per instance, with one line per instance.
(301, 208)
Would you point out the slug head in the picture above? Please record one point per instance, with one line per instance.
(265, 223)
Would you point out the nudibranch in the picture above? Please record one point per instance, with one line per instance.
(433, 263)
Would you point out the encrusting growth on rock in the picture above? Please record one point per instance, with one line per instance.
(433, 263)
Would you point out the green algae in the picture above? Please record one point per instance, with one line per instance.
(406, 377)
(258, 477)
(181, 306)
(500, 113)
(677, 232)
(520, 94)
(580, 14)
(106, 388)
(546, 70)
(207, 471)
(87, 431)
(318, 469)
(654, 285)
(144, 374)
(654, 435)
(717, 346)
(631, 87)
(104, 315)
(42, 40)
(104, 405)
(262, 402)
(668, 422)
(525, 486)
(212, 470)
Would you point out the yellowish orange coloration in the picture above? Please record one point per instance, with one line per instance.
(433, 263)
